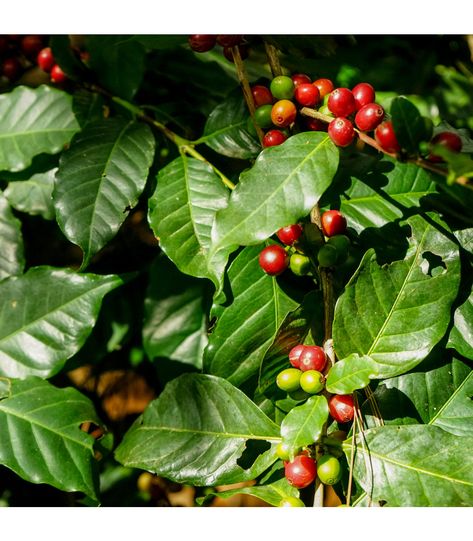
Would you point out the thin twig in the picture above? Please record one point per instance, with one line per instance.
(273, 59)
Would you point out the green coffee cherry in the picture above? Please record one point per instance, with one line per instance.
(263, 116)
(329, 470)
(312, 236)
(342, 244)
(282, 87)
(327, 256)
(288, 380)
(285, 452)
(299, 264)
(312, 381)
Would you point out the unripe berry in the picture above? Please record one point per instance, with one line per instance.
(45, 59)
(333, 223)
(283, 113)
(369, 116)
(363, 93)
(288, 379)
(329, 470)
(327, 256)
(284, 451)
(325, 86)
(263, 116)
(307, 95)
(299, 264)
(341, 407)
(341, 131)
(386, 138)
(274, 260)
(341, 102)
(312, 381)
(273, 138)
(201, 43)
(312, 358)
(289, 234)
(282, 87)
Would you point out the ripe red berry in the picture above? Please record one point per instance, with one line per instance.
(314, 124)
(201, 43)
(11, 68)
(45, 59)
(273, 138)
(325, 86)
(289, 234)
(301, 472)
(307, 94)
(261, 95)
(449, 140)
(369, 116)
(341, 102)
(31, 45)
(333, 223)
(295, 354)
(228, 40)
(283, 113)
(341, 131)
(57, 75)
(312, 358)
(363, 93)
(341, 407)
(386, 138)
(273, 260)
(300, 79)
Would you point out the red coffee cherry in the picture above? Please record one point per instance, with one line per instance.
(325, 86)
(274, 260)
(333, 223)
(341, 131)
(363, 93)
(369, 116)
(261, 95)
(283, 113)
(301, 472)
(312, 358)
(341, 407)
(11, 68)
(300, 79)
(273, 138)
(386, 138)
(228, 40)
(45, 59)
(341, 102)
(307, 95)
(57, 75)
(294, 355)
(289, 234)
(244, 52)
(314, 124)
(449, 140)
(201, 43)
(31, 45)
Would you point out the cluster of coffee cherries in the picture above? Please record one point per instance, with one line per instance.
(47, 63)
(202, 43)
(17, 54)
(275, 259)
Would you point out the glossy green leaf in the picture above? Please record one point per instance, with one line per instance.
(175, 322)
(203, 431)
(41, 437)
(88, 107)
(246, 328)
(182, 211)
(403, 309)
(118, 63)
(303, 425)
(352, 373)
(408, 124)
(225, 130)
(12, 259)
(99, 180)
(461, 335)
(283, 185)
(33, 196)
(45, 317)
(414, 466)
(460, 165)
(33, 121)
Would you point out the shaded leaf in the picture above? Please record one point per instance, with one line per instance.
(88, 107)
(67, 57)
(200, 431)
(408, 124)
(12, 259)
(303, 425)
(461, 335)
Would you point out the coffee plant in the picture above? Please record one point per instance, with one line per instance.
(267, 241)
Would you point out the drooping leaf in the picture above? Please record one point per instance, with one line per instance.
(175, 323)
(203, 431)
(402, 309)
(99, 180)
(225, 130)
(283, 185)
(33, 121)
(408, 124)
(45, 317)
(12, 259)
(41, 437)
(303, 425)
(246, 328)
(413, 466)
(182, 211)
(33, 196)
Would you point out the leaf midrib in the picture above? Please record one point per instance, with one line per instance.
(210, 433)
(450, 400)
(308, 418)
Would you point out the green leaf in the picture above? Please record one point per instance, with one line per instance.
(460, 165)
(118, 62)
(461, 335)
(33, 121)
(67, 57)
(303, 425)
(168, 41)
(402, 309)
(182, 211)
(46, 316)
(12, 259)
(88, 106)
(408, 124)
(41, 437)
(99, 180)
(246, 328)
(225, 130)
(414, 466)
(271, 493)
(203, 431)
(175, 322)
(33, 196)
(283, 186)
(353, 372)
